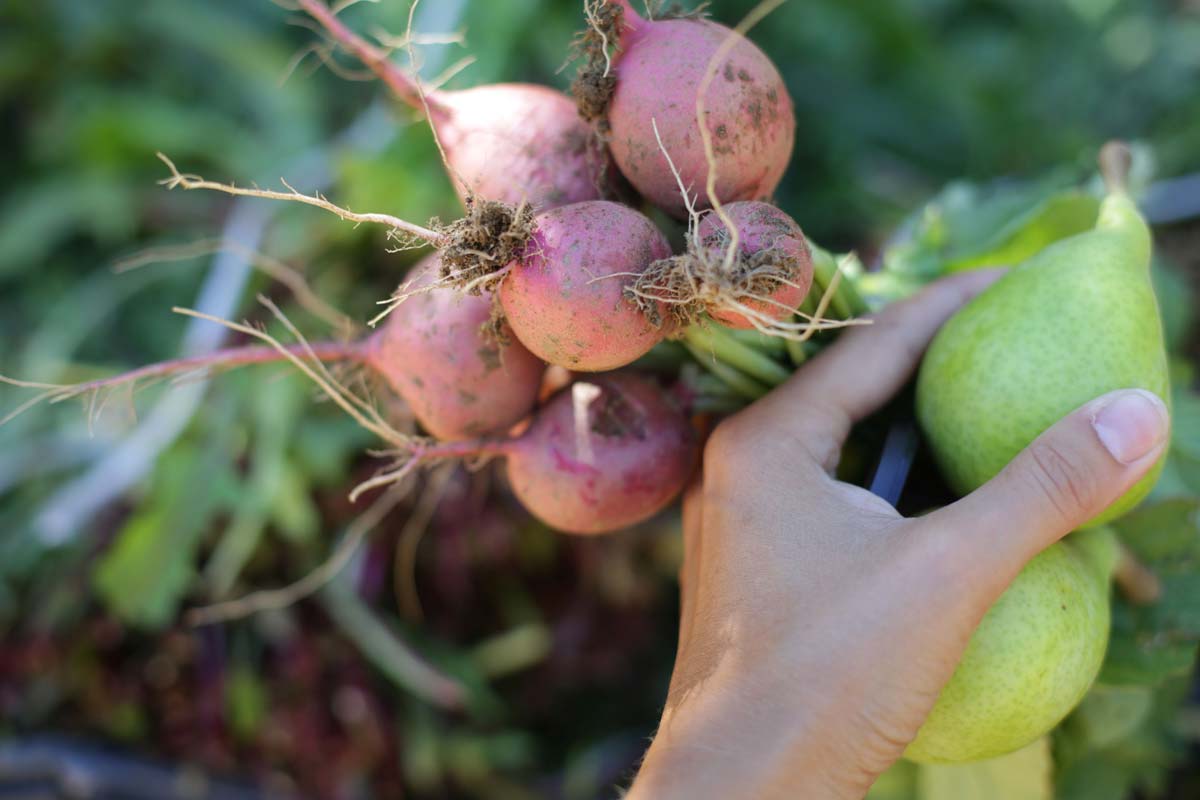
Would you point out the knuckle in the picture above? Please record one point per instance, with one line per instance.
(721, 444)
(1062, 479)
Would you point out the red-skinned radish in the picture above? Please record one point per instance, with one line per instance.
(566, 298)
(753, 277)
(770, 241)
(600, 456)
(458, 380)
(510, 142)
(645, 97)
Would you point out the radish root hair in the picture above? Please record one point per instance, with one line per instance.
(99, 392)
(408, 451)
(484, 244)
(476, 248)
(180, 370)
(404, 582)
(308, 362)
(408, 234)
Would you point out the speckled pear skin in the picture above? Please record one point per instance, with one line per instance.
(1030, 661)
(1077, 320)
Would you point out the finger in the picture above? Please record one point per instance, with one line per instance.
(1068, 476)
(689, 571)
(866, 367)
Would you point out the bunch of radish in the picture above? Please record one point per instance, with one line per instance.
(557, 262)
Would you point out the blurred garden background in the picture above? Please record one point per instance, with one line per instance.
(464, 650)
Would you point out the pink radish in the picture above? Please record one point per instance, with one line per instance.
(518, 142)
(598, 457)
(566, 298)
(458, 380)
(774, 254)
(654, 81)
(513, 142)
(755, 279)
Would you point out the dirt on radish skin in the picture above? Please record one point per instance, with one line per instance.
(565, 299)
(659, 67)
(459, 380)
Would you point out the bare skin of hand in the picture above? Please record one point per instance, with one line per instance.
(818, 625)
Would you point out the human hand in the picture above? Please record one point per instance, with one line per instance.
(818, 625)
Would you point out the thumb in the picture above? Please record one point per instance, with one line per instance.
(1070, 474)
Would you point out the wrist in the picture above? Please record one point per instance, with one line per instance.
(740, 740)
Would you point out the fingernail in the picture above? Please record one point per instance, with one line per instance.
(1130, 424)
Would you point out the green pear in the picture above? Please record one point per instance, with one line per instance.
(1100, 548)
(1030, 661)
(1073, 322)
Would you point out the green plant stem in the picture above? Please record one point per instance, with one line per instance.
(846, 302)
(705, 384)
(740, 383)
(719, 344)
(795, 351)
(718, 405)
(774, 346)
(809, 306)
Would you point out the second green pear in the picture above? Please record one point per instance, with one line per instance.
(1075, 321)
(1032, 658)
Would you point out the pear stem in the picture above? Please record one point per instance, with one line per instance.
(1136, 581)
(1116, 159)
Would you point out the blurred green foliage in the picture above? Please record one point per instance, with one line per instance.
(564, 646)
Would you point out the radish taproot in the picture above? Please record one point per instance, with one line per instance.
(647, 82)
(510, 142)
(459, 377)
(601, 455)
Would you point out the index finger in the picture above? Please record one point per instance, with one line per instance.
(865, 368)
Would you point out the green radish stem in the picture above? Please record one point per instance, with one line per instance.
(716, 342)
(718, 405)
(796, 352)
(735, 379)
(773, 346)
(711, 395)
(709, 385)
(809, 306)
(846, 302)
